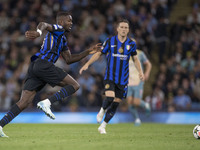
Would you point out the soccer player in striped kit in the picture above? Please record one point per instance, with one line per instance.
(118, 49)
(42, 70)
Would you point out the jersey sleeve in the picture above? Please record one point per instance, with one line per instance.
(65, 47)
(133, 48)
(105, 46)
(58, 29)
(143, 57)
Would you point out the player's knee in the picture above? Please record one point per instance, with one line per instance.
(114, 106)
(136, 102)
(130, 100)
(76, 86)
(118, 100)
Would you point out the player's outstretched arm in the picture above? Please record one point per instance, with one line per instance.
(92, 60)
(95, 48)
(72, 58)
(40, 28)
(138, 67)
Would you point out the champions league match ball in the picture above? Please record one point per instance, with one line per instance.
(196, 131)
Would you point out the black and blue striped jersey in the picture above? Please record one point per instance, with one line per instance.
(54, 43)
(118, 55)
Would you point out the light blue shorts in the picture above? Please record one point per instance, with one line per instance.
(136, 91)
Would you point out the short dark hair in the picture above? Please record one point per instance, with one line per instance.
(122, 20)
(61, 14)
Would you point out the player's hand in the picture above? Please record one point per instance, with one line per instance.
(141, 76)
(94, 49)
(85, 67)
(32, 34)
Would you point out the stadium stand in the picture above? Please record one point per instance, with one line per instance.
(173, 48)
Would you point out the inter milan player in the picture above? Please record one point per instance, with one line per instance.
(135, 86)
(118, 50)
(42, 69)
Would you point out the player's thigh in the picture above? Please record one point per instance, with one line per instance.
(27, 95)
(48, 72)
(33, 84)
(109, 88)
(130, 91)
(138, 93)
(69, 80)
(136, 101)
(129, 100)
(110, 93)
(119, 100)
(32, 81)
(120, 91)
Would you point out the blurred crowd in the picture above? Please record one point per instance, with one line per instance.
(177, 87)
(177, 46)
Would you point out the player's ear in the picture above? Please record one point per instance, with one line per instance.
(60, 22)
(117, 29)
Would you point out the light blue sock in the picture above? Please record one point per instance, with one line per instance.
(146, 107)
(142, 104)
(133, 111)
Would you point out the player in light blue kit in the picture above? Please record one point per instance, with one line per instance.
(135, 86)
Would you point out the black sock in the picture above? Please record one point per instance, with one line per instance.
(107, 102)
(111, 111)
(64, 92)
(14, 111)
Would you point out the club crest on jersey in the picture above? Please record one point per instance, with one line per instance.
(128, 47)
(107, 86)
(121, 50)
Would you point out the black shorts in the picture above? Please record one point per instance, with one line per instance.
(120, 90)
(41, 72)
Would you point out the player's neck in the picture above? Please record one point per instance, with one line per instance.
(122, 39)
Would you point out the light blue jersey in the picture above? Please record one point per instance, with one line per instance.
(135, 86)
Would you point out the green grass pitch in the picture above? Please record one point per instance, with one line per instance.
(86, 137)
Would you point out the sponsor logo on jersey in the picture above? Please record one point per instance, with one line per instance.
(122, 57)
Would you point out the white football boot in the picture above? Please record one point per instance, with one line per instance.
(2, 134)
(102, 128)
(137, 122)
(45, 106)
(100, 115)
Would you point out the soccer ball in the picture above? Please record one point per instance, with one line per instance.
(196, 131)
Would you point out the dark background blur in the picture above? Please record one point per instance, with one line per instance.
(168, 31)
